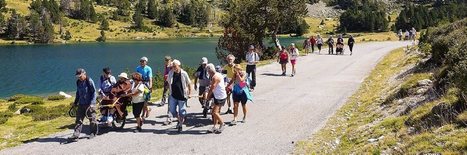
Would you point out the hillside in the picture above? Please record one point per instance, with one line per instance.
(413, 102)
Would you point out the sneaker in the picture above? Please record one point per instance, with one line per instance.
(234, 122)
(212, 130)
(139, 129)
(73, 137)
(167, 122)
(283, 74)
(180, 128)
(221, 128)
(244, 120)
(229, 111)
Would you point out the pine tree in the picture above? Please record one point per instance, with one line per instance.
(92, 13)
(167, 17)
(16, 26)
(102, 38)
(2, 5)
(138, 19)
(152, 9)
(48, 35)
(104, 24)
(123, 7)
(35, 27)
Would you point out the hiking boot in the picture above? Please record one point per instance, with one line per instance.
(221, 128)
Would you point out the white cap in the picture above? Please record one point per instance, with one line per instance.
(176, 62)
(123, 75)
(293, 44)
(204, 60)
(251, 47)
(144, 59)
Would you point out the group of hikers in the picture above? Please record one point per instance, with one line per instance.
(216, 86)
(309, 44)
(408, 35)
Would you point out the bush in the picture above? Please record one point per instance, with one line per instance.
(40, 113)
(30, 100)
(55, 98)
(12, 107)
(4, 116)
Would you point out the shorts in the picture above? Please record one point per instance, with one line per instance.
(220, 102)
(201, 90)
(293, 62)
(240, 98)
(137, 109)
(283, 61)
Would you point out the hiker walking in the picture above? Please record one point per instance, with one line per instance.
(179, 90)
(312, 43)
(218, 92)
(351, 42)
(240, 92)
(283, 59)
(399, 34)
(319, 43)
(146, 73)
(331, 45)
(202, 77)
(167, 68)
(106, 82)
(293, 57)
(86, 101)
(229, 70)
(252, 58)
(414, 34)
(138, 100)
(307, 45)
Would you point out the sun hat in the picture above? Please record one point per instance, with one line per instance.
(123, 75)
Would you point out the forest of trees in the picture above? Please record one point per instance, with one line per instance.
(38, 25)
(365, 16)
(421, 17)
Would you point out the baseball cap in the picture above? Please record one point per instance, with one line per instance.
(204, 60)
(80, 71)
(144, 59)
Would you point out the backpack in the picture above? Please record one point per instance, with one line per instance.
(284, 56)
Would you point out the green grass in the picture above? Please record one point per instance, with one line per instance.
(362, 118)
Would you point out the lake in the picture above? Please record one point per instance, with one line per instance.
(47, 69)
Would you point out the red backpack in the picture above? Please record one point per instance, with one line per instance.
(283, 56)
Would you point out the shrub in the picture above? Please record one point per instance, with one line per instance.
(55, 98)
(40, 113)
(30, 100)
(4, 116)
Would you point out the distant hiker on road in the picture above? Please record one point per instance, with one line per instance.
(146, 73)
(229, 70)
(319, 43)
(167, 68)
(240, 92)
(167, 63)
(312, 43)
(414, 34)
(331, 45)
(407, 35)
(86, 101)
(307, 45)
(252, 58)
(283, 59)
(399, 34)
(106, 82)
(293, 57)
(351, 42)
(201, 76)
(218, 92)
(179, 90)
(137, 99)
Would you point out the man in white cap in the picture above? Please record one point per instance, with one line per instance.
(146, 73)
(252, 58)
(180, 90)
(201, 76)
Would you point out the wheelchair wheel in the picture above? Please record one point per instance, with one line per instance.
(72, 111)
(118, 123)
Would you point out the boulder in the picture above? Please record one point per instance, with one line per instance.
(425, 82)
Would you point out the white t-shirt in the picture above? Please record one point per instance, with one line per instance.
(219, 91)
(251, 58)
(140, 97)
(294, 54)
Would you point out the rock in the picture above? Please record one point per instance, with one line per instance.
(380, 137)
(25, 110)
(18, 112)
(421, 91)
(64, 94)
(425, 82)
(372, 140)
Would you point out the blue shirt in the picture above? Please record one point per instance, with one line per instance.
(145, 71)
(85, 92)
(106, 84)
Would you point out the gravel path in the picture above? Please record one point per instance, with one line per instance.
(285, 110)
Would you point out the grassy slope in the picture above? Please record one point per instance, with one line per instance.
(22, 128)
(363, 117)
